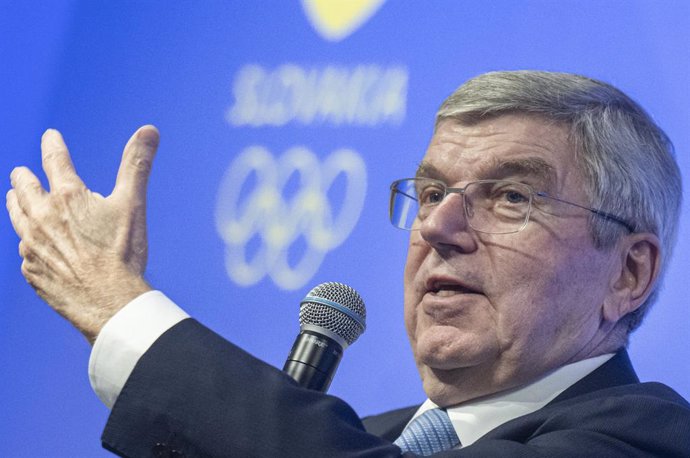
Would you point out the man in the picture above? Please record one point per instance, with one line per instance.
(542, 218)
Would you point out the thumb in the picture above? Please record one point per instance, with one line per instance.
(135, 167)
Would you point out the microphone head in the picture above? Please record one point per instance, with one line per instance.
(336, 308)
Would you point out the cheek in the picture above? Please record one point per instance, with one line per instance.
(416, 253)
(548, 298)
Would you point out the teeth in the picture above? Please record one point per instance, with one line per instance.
(446, 292)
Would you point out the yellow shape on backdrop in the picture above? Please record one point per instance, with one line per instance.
(337, 19)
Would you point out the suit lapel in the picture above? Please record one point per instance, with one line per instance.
(389, 425)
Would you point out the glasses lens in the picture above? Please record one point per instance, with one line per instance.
(404, 205)
(491, 206)
(497, 207)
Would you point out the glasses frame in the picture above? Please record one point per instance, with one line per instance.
(451, 190)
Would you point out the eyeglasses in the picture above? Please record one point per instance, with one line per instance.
(491, 206)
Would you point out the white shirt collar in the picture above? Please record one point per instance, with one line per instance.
(474, 419)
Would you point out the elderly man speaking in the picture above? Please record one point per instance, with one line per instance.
(541, 220)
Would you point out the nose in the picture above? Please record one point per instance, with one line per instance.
(447, 228)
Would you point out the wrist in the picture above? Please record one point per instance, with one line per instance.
(109, 304)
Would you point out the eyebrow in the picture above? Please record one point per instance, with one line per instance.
(426, 170)
(535, 167)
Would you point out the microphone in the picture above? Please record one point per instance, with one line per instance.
(332, 316)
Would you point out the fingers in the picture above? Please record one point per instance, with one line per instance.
(137, 158)
(57, 162)
(27, 191)
(17, 215)
(20, 221)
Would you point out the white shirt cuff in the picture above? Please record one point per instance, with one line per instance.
(125, 338)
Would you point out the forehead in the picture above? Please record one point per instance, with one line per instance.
(504, 146)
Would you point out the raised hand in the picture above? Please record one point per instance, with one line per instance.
(84, 254)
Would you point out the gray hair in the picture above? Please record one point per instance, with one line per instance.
(627, 160)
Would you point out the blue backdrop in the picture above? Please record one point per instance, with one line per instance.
(272, 115)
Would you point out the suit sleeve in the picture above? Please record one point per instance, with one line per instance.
(195, 394)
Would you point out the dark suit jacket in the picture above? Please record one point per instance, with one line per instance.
(195, 394)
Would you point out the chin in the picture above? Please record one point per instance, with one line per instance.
(450, 349)
(448, 385)
(444, 388)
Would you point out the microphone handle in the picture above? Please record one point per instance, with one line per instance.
(313, 360)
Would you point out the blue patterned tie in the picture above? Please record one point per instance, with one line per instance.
(429, 433)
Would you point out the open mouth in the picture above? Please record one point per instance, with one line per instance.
(444, 288)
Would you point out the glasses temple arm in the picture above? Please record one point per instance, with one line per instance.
(597, 212)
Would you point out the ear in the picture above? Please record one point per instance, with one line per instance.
(640, 256)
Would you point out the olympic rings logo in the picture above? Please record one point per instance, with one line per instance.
(269, 208)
